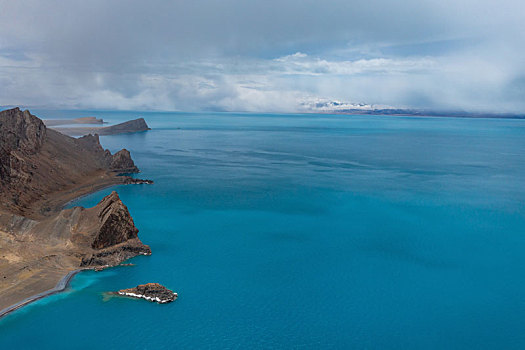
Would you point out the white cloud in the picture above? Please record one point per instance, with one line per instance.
(300, 63)
(280, 84)
(204, 55)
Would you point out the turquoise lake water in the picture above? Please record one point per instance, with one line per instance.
(309, 232)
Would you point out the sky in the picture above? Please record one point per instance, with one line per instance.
(263, 56)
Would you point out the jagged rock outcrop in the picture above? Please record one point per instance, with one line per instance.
(91, 142)
(116, 225)
(111, 233)
(153, 292)
(122, 162)
(21, 137)
(20, 131)
(119, 162)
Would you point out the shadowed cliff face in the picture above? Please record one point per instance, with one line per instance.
(21, 136)
(122, 162)
(116, 224)
(109, 230)
(36, 161)
(20, 131)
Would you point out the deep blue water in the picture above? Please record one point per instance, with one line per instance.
(311, 232)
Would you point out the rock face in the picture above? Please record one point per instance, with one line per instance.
(21, 137)
(122, 162)
(109, 230)
(153, 292)
(92, 143)
(36, 161)
(20, 131)
(116, 225)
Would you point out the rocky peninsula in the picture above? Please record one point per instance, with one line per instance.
(40, 242)
(136, 125)
(153, 292)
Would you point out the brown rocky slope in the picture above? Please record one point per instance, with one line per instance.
(40, 170)
(36, 161)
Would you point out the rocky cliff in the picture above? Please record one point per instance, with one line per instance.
(36, 162)
(101, 236)
(21, 137)
(120, 162)
(110, 232)
(116, 225)
(41, 169)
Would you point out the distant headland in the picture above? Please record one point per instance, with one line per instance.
(130, 126)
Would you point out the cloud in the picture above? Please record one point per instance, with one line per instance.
(262, 56)
(300, 63)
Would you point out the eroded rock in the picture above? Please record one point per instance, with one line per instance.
(122, 162)
(153, 292)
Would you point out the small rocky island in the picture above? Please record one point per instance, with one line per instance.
(153, 292)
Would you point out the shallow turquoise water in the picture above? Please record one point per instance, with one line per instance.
(308, 231)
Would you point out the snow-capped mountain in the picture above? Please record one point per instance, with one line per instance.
(326, 105)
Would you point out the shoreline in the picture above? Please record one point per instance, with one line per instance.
(62, 198)
(101, 187)
(61, 286)
(58, 203)
(44, 249)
